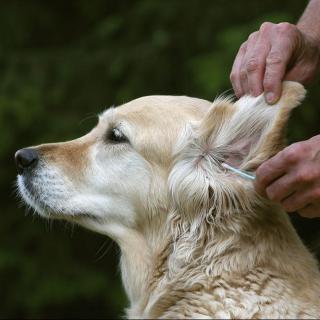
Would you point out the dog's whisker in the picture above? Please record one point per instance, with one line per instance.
(90, 116)
(102, 251)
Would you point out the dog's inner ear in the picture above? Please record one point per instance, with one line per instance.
(248, 132)
(238, 150)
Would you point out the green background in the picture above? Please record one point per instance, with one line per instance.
(61, 63)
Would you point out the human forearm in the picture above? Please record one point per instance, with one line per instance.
(309, 23)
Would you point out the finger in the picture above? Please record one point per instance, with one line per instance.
(275, 70)
(269, 171)
(244, 65)
(276, 64)
(301, 199)
(310, 211)
(235, 72)
(281, 188)
(256, 63)
(302, 73)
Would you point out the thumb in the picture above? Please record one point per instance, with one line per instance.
(301, 73)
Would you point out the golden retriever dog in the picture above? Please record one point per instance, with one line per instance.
(197, 241)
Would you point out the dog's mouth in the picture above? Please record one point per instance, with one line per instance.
(41, 203)
(31, 197)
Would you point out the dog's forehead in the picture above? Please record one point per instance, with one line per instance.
(154, 123)
(158, 110)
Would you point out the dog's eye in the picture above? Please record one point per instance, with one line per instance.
(116, 136)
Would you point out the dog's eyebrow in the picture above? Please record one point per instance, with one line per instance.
(108, 117)
(106, 113)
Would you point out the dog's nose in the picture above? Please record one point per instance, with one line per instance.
(25, 158)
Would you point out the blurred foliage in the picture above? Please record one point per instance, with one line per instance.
(61, 63)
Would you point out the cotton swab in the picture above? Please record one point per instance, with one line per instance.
(242, 173)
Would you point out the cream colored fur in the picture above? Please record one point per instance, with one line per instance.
(196, 241)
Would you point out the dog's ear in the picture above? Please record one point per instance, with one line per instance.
(243, 134)
(250, 131)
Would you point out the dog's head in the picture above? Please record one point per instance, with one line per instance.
(114, 174)
(154, 153)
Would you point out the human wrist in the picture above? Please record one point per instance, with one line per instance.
(309, 24)
(311, 36)
(308, 50)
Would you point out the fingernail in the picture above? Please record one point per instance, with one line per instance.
(270, 97)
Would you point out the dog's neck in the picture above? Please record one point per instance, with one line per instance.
(157, 262)
(143, 263)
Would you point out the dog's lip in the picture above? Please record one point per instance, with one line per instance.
(29, 198)
(74, 217)
(45, 210)
(27, 186)
(30, 195)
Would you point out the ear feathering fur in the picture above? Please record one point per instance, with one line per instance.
(212, 208)
(198, 182)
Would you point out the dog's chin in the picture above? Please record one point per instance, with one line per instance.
(30, 198)
(44, 209)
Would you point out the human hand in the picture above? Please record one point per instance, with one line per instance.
(275, 53)
(292, 178)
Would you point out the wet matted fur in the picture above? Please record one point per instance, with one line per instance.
(196, 241)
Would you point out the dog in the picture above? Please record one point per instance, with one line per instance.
(197, 241)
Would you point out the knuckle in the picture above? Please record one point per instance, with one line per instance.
(274, 58)
(304, 176)
(243, 74)
(253, 36)
(233, 76)
(252, 65)
(272, 194)
(287, 29)
(266, 26)
(268, 84)
(306, 147)
(243, 47)
(293, 153)
(261, 180)
(284, 27)
(262, 175)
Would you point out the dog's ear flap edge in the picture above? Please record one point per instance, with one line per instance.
(274, 137)
(250, 130)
